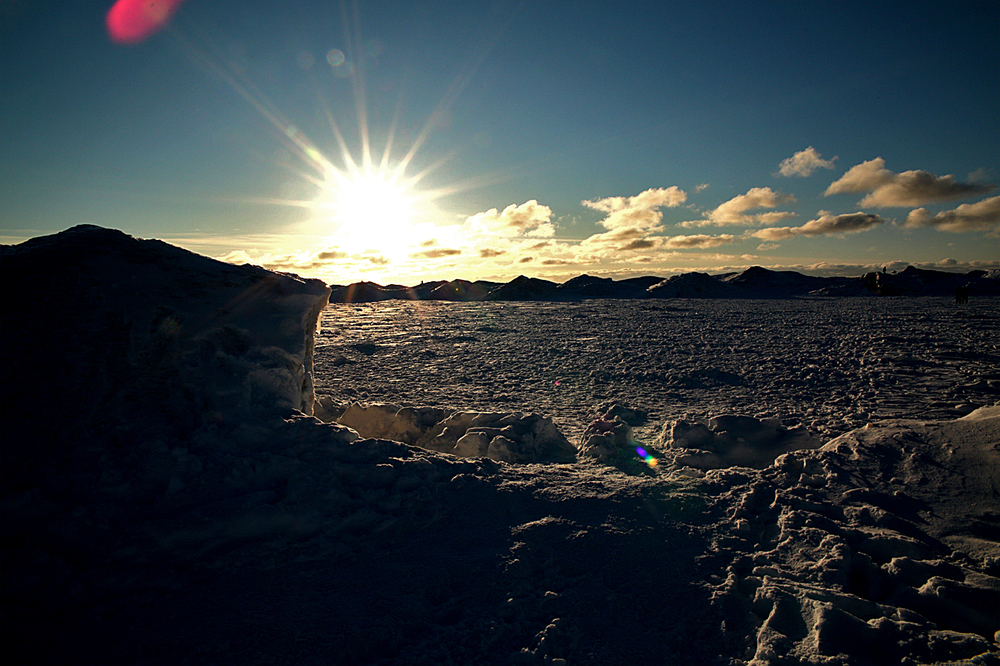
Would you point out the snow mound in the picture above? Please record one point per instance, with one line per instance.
(512, 438)
(609, 438)
(731, 440)
(880, 547)
(693, 285)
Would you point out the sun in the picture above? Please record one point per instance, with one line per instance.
(371, 211)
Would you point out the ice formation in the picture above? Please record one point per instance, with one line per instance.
(731, 440)
(513, 438)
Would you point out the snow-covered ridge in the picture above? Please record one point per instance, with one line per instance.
(754, 282)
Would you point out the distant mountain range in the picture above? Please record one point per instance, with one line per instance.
(754, 282)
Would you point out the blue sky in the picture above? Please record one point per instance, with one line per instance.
(503, 138)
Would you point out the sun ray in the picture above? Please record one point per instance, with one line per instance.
(352, 36)
(364, 199)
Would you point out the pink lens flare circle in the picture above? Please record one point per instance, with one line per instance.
(133, 21)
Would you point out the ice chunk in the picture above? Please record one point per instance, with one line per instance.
(515, 437)
(156, 339)
(733, 440)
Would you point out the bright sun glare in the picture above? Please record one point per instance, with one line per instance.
(370, 211)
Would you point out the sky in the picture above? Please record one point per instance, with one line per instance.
(403, 141)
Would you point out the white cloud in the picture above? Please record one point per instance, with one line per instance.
(775, 217)
(530, 217)
(294, 262)
(981, 215)
(804, 162)
(669, 197)
(544, 230)
(631, 220)
(909, 188)
(821, 226)
(733, 212)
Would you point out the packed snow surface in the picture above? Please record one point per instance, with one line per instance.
(655, 482)
(830, 365)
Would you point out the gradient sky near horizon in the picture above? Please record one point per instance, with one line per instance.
(403, 141)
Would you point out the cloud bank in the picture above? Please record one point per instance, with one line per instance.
(981, 215)
(822, 226)
(734, 211)
(700, 241)
(631, 220)
(530, 218)
(897, 190)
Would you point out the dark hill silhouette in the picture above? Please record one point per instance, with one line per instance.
(754, 282)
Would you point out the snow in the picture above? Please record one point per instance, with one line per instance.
(501, 437)
(818, 484)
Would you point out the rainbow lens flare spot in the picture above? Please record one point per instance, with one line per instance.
(646, 457)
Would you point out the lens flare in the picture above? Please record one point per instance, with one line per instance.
(133, 21)
(646, 457)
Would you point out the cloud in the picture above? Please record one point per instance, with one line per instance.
(546, 230)
(640, 244)
(298, 262)
(909, 188)
(821, 226)
(733, 212)
(488, 252)
(775, 217)
(701, 241)
(803, 163)
(621, 238)
(330, 255)
(436, 254)
(670, 197)
(529, 218)
(980, 175)
(981, 215)
(236, 257)
(701, 188)
(631, 220)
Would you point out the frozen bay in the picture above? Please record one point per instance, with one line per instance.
(831, 365)
(186, 505)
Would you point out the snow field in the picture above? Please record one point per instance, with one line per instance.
(830, 365)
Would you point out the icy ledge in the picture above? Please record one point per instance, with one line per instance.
(152, 337)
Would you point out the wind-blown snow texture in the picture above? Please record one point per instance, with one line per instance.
(167, 498)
